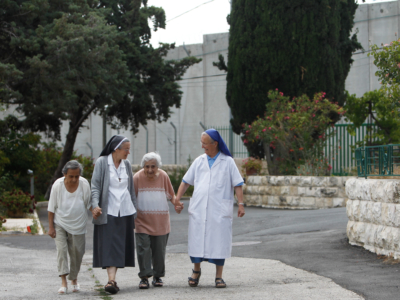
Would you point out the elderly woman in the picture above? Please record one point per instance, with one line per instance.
(113, 202)
(69, 200)
(153, 188)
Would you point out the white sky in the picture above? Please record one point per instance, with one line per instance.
(190, 27)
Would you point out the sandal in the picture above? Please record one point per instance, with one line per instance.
(157, 282)
(195, 280)
(111, 287)
(220, 283)
(76, 288)
(144, 284)
(62, 290)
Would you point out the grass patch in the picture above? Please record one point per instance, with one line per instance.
(103, 294)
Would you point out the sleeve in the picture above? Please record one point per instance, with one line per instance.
(190, 174)
(52, 206)
(240, 184)
(136, 183)
(133, 190)
(96, 184)
(86, 193)
(236, 178)
(169, 189)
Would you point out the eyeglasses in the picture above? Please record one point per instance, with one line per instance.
(205, 144)
(126, 150)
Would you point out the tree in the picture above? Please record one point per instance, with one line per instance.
(382, 105)
(77, 57)
(300, 47)
(294, 130)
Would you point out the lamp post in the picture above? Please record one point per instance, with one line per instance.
(30, 172)
(172, 124)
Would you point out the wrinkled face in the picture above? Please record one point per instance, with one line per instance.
(150, 168)
(210, 148)
(72, 177)
(124, 151)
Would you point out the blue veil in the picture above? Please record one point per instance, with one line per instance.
(214, 134)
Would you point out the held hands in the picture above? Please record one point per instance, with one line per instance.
(241, 211)
(52, 232)
(178, 205)
(96, 212)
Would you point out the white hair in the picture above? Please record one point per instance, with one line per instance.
(150, 156)
(73, 165)
(205, 133)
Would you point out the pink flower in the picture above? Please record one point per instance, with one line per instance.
(265, 129)
(280, 93)
(247, 132)
(269, 128)
(313, 115)
(249, 126)
(245, 141)
(257, 137)
(277, 112)
(276, 90)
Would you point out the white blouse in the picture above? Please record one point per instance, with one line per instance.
(70, 208)
(119, 198)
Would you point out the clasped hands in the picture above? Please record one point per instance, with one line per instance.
(96, 212)
(178, 205)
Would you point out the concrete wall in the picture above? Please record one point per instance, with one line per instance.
(373, 209)
(295, 192)
(204, 89)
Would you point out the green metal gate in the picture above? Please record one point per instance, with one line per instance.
(340, 147)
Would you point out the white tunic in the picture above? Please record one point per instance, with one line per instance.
(119, 198)
(211, 206)
(70, 208)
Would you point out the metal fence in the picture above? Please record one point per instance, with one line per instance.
(232, 140)
(339, 149)
(378, 160)
(340, 146)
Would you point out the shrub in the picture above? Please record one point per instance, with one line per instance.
(293, 132)
(16, 202)
(252, 163)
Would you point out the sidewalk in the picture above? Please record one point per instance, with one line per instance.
(30, 274)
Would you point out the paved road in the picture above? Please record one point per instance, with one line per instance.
(311, 240)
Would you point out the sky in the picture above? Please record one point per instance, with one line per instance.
(208, 17)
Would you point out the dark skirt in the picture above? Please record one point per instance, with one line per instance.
(114, 243)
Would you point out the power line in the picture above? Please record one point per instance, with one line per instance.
(189, 10)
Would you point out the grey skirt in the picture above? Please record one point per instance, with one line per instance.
(114, 243)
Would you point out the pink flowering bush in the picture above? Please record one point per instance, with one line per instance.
(17, 202)
(293, 133)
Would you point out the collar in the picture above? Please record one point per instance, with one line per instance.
(111, 162)
(215, 157)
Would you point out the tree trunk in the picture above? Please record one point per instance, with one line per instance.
(74, 125)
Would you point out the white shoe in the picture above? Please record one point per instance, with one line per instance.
(62, 290)
(76, 288)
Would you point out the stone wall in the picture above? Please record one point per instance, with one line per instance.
(295, 192)
(373, 210)
(170, 169)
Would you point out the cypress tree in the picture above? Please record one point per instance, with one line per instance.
(296, 46)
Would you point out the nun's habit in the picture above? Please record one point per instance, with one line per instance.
(114, 193)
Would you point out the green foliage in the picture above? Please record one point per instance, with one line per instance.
(2, 220)
(252, 163)
(293, 132)
(382, 105)
(176, 180)
(26, 151)
(65, 60)
(16, 201)
(34, 228)
(300, 47)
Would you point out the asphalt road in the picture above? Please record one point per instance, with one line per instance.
(312, 240)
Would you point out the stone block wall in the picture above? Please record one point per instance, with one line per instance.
(295, 192)
(373, 209)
